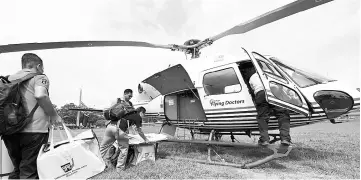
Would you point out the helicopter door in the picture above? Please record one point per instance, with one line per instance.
(279, 91)
(170, 80)
(222, 90)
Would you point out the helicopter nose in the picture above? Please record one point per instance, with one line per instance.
(335, 103)
(356, 105)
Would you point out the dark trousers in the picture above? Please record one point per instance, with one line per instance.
(23, 150)
(264, 111)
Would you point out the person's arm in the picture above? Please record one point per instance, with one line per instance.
(251, 91)
(138, 127)
(42, 97)
(140, 132)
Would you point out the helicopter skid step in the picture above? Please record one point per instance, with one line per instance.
(209, 162)
(278, 152)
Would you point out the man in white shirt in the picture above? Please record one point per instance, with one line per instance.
(264, 111)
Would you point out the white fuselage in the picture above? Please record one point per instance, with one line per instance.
(234, 110)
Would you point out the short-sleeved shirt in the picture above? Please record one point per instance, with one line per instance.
(40, 122)
(255, 83)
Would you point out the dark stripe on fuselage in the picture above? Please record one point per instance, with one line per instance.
(232, 112)
(246, 121)
(225, 109)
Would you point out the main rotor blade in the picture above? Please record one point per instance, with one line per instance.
(73, 44)
(279, 13)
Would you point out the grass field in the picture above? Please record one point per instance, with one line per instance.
(321, 151)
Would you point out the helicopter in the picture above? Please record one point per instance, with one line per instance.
(211, 95)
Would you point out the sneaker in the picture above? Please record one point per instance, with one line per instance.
(286, 143)
(263, 143)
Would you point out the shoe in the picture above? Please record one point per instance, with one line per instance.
(263, 143)
(286, 143)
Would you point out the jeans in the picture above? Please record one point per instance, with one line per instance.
(23, 150)
(264, 111)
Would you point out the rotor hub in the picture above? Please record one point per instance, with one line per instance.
(193, 51)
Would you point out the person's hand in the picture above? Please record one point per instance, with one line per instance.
(56, 120)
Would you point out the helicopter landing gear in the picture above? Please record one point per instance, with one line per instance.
(279, 150)
(232, 137)
(192, 134)
(210, 138)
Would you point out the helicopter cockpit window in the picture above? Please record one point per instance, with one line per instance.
(268, 68)
(264, 66)
(302, 78)
(221, 82)
(285, 94)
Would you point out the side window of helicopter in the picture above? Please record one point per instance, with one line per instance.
(221, 82)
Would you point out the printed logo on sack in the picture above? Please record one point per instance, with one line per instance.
(68, 166)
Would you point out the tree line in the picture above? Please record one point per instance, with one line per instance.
(87, 119)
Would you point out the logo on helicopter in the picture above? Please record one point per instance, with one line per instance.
(216, 103)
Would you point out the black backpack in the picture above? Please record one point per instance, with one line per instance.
(13, 116)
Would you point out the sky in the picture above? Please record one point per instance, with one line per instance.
(325, 39)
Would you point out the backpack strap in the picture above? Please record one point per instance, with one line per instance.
(28, 77)
(19, 78)
(31, 114)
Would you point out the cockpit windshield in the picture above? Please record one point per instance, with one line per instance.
(300, 77)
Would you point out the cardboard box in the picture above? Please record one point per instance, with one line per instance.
(143, 152)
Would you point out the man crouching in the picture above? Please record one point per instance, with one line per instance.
(123, 116)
